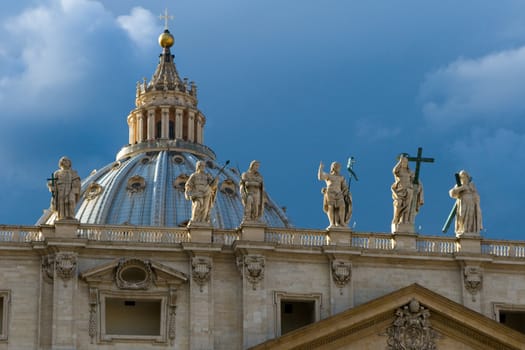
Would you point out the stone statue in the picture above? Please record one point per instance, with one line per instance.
(337, 201)
(201, 189)
(65, 189)
(407, 197)
(252, 192)
(468, 211)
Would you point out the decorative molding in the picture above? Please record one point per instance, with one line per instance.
(473, 279)
(201, 270)
(341, 273)
(254, 269)
(411, 329)
(172, 305)
(133, 274)
(93, 191)
(48, 266)
(65, 266)
(93, 304)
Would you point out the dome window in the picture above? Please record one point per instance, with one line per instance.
(210, 164)
(229, 187)
(115, 166)
(180, 182)
(178, 159)
(93, 191)
(145, 160)
(136, 184)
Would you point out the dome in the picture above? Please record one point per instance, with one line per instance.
(145, 185)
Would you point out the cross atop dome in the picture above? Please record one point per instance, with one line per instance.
(166, 18)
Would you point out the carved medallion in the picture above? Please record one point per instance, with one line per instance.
(133, 274)
(341, 273)
(473, 278)
(254, 269)
(411, 329)
(65, 265)
(201, 270)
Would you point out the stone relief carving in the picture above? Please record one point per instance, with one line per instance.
(64, 186)
(133, 274)
(254, 269)
(65, 266)
(411, 329)
(341, 273)
(473, 278)
(252, 192)
(48, 267)
(201, 271)
(93, 302)
(337, 200)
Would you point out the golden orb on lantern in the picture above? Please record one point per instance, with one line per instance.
(166, 39)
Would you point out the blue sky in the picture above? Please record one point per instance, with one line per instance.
(290, 83)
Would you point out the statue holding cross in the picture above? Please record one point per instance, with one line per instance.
(407, 192)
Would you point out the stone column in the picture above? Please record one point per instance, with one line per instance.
(165, 122)
(199, 129)
(151, 124)
(131, 124)
(254, 299)
(178, 123)
(201, 304)
(191, 126)
(65, 283)
(140, 127)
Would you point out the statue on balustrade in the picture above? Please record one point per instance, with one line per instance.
(337, 200)
(201, 189)
(468, 211)
(407, 196)
(64, 186)
(252, 193)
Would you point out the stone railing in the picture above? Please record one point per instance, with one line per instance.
(511, 249)
(133, 234)
(20, 233)
(279, 236)
(296, 237)
(440, 245)
(226, 237)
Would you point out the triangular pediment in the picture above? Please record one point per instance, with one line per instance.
(373, 326)
(115, 272)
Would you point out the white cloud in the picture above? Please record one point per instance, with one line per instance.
(141, 26)
(488, 89)
(373, 131)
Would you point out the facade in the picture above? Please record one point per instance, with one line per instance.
(130, 269)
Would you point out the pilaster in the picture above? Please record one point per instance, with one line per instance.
(254, 299)
(201, 303)
(341, 293)
(178, 123)
(469, 243)
(200, 233)
(140, 127)
(65, 284)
